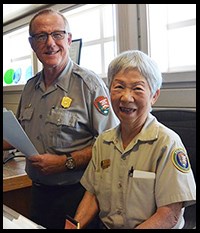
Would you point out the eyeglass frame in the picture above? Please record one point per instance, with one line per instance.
(34, 36)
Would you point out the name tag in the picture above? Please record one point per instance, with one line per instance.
(105, 163)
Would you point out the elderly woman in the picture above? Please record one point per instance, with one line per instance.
(136, 178)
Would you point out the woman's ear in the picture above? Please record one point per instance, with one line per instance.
(155, 97)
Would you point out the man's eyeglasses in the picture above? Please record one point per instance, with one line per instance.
(42, 37)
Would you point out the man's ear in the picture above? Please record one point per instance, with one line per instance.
(155, 97)
(31, 42)
(69, 38)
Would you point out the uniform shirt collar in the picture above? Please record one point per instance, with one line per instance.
(149, 131)
(62, 81)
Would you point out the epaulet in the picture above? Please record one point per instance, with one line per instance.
(91, 79)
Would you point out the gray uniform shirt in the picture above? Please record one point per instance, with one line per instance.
(126, 196)
(66, 117)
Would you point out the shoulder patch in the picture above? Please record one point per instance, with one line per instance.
(181, 160)
(102, 105)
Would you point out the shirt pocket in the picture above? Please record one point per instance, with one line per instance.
(59, 126)
(26, 115)
(141, 195)
(25, 118)
(61, 117)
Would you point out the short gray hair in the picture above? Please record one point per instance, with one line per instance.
(135, 59)
(49, 11)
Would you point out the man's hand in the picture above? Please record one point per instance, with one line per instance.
(48, 163)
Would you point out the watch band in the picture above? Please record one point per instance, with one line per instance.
(70, 162)
(68, 155)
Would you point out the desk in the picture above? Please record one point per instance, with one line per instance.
(16, 186)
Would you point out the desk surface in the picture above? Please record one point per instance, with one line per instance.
(14, 175)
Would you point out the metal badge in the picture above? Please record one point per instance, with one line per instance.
(66, 102)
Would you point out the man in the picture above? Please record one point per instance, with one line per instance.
(63, 109)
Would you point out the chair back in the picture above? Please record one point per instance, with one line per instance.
(183, 122)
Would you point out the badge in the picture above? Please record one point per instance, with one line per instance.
(66, 102)
(105, 163)
(181, 160)
(102, 105)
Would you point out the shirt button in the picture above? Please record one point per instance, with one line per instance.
(119, 185)
(119, 212)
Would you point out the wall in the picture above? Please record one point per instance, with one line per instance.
(177, 98)
(11, 100)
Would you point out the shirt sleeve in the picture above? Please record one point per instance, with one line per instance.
(174, 179)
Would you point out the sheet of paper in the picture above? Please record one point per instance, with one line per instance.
(143, 174)
(8, 224)
(14, 220)
(15, 134)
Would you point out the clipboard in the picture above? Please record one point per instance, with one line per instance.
(15, 134)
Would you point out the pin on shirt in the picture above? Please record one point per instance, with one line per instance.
(102, 105)
(105, 163)
(66, 102)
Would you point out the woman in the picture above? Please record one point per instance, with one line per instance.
(135, 178)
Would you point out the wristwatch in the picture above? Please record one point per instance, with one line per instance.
(70, 162)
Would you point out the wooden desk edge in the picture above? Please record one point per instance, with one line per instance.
(16, 182)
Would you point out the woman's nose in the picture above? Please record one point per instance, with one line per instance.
(127, 95)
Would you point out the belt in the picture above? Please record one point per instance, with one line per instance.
(65, 186)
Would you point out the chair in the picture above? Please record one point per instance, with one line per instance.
(184, 123)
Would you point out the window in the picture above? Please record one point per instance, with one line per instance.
(98, 43)
(98, 35)
(17, 62)
(172, 36)
(107, 29)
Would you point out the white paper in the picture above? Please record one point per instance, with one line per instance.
(15, 134)
(14, 220)
(25, 223)
(143, 174)
(8, 224)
